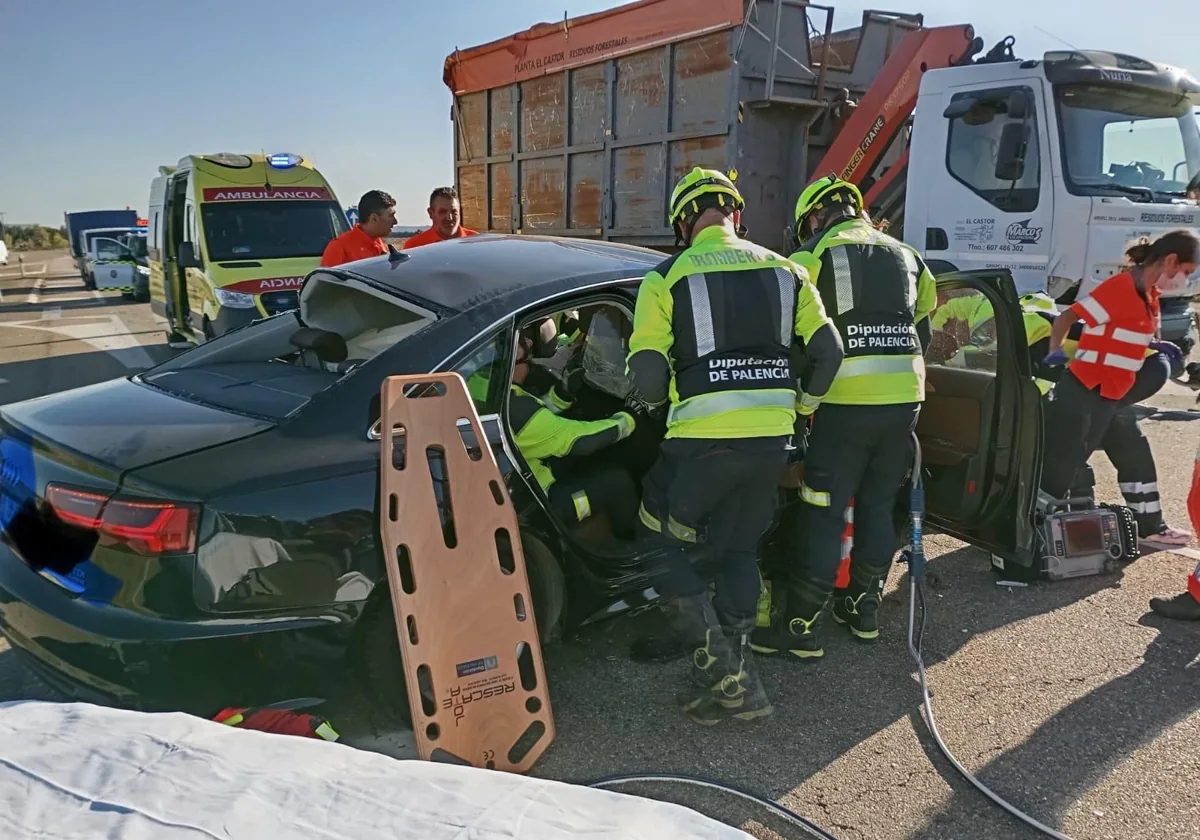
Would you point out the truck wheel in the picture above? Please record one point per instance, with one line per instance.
(375, 651)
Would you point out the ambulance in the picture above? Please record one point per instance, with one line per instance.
(232, 237)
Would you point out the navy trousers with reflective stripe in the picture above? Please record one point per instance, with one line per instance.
(728, 489)
(607, 490)
(859, 451)
(1078, 421)
(1129, 451)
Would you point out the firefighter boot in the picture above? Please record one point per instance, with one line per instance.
(696, 625)
(736, 692)
(795, 631)
(857, 606)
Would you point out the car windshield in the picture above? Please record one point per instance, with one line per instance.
(1120, 140)
(136, 245)
(110, 249)
(92, 235)
(273, 367)
(268, 230)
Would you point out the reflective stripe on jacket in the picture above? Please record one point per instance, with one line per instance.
(722, 315)
(542, 435)
(876, 289)
(1119, 326)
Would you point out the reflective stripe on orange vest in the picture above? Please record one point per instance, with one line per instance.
(1119, 325)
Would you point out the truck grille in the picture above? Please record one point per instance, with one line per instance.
(276, 302)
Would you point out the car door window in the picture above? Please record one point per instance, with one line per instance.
(485, 371)
(108, 249)
(974, 147)
(963, 333)
(980, 424)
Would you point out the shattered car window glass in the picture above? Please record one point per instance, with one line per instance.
(963, 333)
(605, 351)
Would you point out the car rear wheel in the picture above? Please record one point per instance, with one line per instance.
(377, 650)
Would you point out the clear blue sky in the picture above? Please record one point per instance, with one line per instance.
(97, 95)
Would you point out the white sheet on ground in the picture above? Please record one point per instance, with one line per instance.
(81, 772)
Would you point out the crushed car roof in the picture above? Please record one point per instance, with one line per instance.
(459, 273)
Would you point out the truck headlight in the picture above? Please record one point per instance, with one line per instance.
(234, 300)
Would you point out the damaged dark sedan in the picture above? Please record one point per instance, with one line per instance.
(205, 533)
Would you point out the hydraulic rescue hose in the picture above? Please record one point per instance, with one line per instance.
(916, 592)
(788, 815)
(916, 635)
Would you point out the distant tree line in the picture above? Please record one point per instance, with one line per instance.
(34, 237)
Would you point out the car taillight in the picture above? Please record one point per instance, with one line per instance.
(146, 527)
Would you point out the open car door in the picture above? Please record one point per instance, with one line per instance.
(981, 425)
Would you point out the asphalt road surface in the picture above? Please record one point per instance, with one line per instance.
(1069, 699)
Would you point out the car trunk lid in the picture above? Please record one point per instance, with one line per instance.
(63, 458)
(112, 427)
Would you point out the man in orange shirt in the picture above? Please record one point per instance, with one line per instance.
(445, 212)
(376, 218)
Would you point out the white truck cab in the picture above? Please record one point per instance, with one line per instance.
(1051, 168)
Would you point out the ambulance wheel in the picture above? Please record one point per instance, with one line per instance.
(375, 650)
(89, 282)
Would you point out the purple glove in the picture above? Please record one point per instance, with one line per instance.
(1171, 351)
(1058, 357)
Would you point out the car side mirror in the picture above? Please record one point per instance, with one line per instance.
(1010, 158)
(186, 256)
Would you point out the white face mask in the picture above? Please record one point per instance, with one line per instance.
(1175, 283)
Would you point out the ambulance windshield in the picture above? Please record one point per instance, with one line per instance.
(1126, 141)
(269, 230)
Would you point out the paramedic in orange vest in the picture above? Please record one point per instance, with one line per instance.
(445, 212)
(376, 218)
(1186, 605)
(1121, 318)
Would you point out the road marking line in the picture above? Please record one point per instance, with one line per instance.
(35, 294)
(109, 334)
(15, 274)
(1189, 553)
(135, 356)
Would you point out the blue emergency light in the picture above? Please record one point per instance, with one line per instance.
(283, 161)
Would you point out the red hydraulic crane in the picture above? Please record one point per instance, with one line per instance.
(886, 106)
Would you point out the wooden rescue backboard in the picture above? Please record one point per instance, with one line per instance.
(460, 594)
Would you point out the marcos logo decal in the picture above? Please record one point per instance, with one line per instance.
(267, 284)
(264, 194)
(1022, 233)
